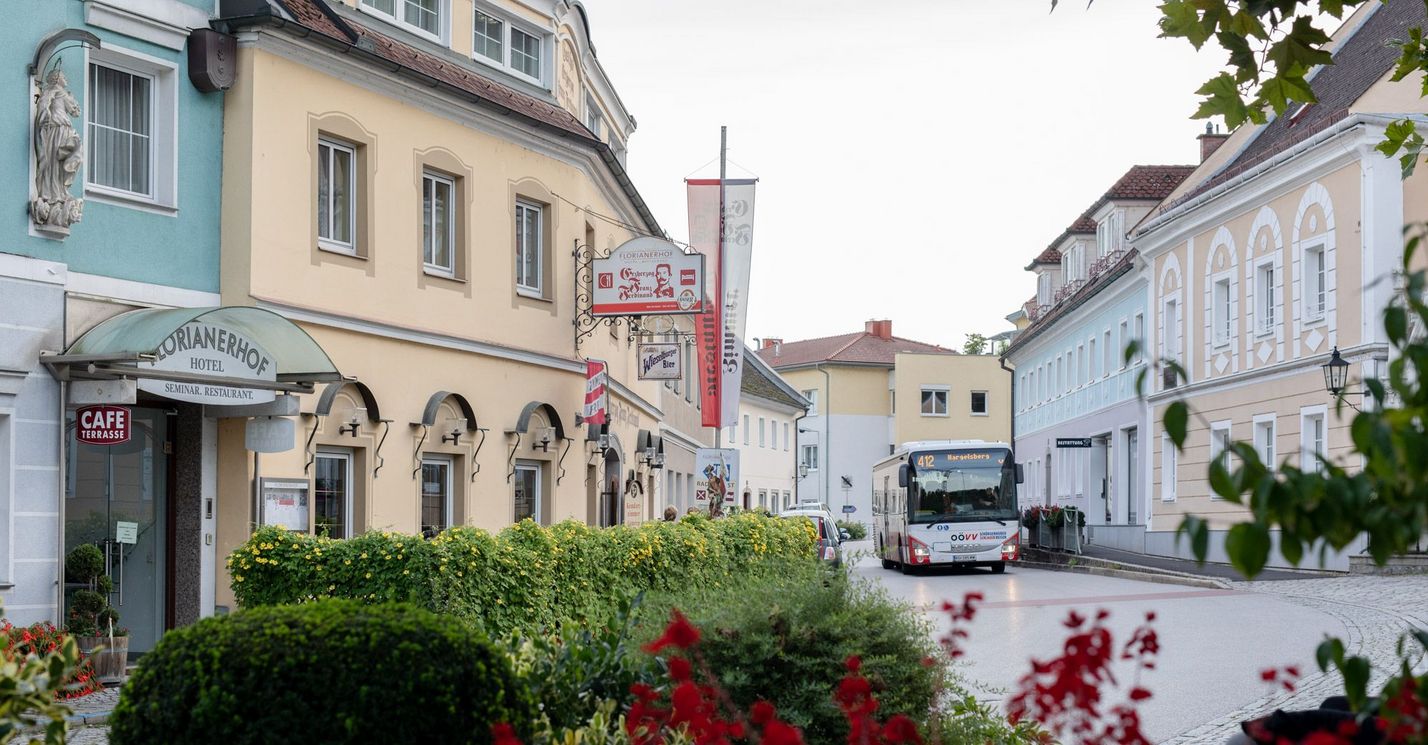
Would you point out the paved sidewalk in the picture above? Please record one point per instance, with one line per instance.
(1183, 566)
(1377, 611)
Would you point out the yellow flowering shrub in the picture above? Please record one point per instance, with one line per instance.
(525, 578)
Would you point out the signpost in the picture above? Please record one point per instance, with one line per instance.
(716, 475)
(648, 277)
(103, 425)
(849, 509)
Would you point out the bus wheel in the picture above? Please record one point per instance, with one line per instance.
(889, 564)
(999, 567)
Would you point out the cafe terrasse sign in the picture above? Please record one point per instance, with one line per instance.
(202, 348)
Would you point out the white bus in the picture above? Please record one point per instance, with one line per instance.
(941, 502)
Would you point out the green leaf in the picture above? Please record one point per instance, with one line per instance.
(1242, 58)
(1282, 90)
(1179, 18)
(1248, 547)
(1395, 322)
(1291, 547)
(1199, 532)
(1356, 676)
(1330, 651)
(1220, 480)
(1222, 98)
(1302, 47)
(1177, 419)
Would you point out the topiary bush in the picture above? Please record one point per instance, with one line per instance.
(527, 578)
(785, 637)
(335, 671)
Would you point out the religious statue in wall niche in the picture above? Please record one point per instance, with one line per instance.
(58, 156)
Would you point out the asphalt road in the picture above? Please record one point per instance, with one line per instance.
(1213, 642)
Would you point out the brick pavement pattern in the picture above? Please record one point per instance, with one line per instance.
(1376, 611)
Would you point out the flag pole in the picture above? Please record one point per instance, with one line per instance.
(719, 280)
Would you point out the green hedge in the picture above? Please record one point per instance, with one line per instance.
(335, 671)
(527, 577)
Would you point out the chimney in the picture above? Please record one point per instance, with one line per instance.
(773, 343)
(881, 329)
(1210, 141)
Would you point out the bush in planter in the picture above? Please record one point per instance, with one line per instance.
(334, 671)
(856, 530)
(785, 637)
(1031, 517)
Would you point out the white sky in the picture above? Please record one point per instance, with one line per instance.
(913, 155)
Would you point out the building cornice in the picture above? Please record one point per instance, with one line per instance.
(1263, 374)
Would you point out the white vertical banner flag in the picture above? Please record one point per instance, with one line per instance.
(737, 260)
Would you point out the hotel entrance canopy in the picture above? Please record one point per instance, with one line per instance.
(231, 347)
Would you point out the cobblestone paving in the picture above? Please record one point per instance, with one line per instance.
(1375, 611)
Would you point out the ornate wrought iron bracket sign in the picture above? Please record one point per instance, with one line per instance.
(585, 322)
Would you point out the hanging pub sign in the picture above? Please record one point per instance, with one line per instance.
(102, 425)
(648, 277)
(597, 400)
(658, 361)
(204, 349)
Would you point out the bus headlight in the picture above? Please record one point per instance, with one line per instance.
(1011, 548)
(918, 552)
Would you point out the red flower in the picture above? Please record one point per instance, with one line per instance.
(762, 712)
(679, 669)
(780, 733)
(901, 729)
(1139, 694)
(680, 633)
(502, 734)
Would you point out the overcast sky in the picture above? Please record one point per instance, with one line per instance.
(913, 155)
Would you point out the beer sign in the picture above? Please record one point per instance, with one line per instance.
(103, 425)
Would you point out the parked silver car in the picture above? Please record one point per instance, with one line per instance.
(830, 536)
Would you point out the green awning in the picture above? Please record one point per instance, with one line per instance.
(137, 335)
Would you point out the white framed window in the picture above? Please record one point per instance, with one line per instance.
(332, 493)
(1223, 311)
(1170, 333)
(1125, 340)
(1316, 282)
(1139, 338)
(1168, 458)
(1044, 289)
(1266, 297)
(1220, 446)
(773, 434)
(1108, 351)
(979, 403)
(1313, 438)
(1264, 434)
(746, 429)
(934, 401)
(811, 395)
(130, 126)
(810, 457)
(593, 120)
(489, 39)
(502, 41)
(530, 245)
(1091, 359)
(438, 223)
(1108, 234)
(336, 196)
(528, 490)
(436, 500)
(422, 17)
(763, 442)
(785, 437)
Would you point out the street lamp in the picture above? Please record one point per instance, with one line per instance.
(1336, 373)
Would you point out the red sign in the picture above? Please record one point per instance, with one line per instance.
(103, 425)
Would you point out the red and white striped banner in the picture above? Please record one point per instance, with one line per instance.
(596, 392)
(720, 330)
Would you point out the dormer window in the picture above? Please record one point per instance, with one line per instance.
(498, 41)
(423, 17)
(1108, 234)
(1043, 288)
(593, 120)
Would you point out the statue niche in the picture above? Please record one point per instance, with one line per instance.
(59, 154)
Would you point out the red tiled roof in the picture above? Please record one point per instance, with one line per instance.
(1359, 61)
(859, 348)
(316, 15)
(1140, 182)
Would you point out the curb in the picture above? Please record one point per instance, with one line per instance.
(1143, 574)
(89, 719)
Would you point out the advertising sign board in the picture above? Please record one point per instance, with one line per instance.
(659, 361)
(648, 277)
(285, 503)
(103, 425)
(1073, 442)
(716, 475)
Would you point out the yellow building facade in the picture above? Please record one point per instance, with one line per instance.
(420, 207)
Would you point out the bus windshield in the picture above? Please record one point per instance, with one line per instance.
(961, 486)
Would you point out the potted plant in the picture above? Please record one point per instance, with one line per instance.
(1030, 519)
(91, 619)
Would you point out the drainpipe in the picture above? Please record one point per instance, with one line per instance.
(1011, 372)
(827, 445)
(798, 457)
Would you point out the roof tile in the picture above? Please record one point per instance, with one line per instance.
(858, 348)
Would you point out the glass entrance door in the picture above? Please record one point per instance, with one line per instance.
(117, 499)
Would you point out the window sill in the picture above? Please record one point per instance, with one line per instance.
(980, 414)
(339, 249)
(935, 416)
(531, 294)
(1216, 346)
(133, 201)
(438, 274)
(1264, 333)
(1318, 320)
